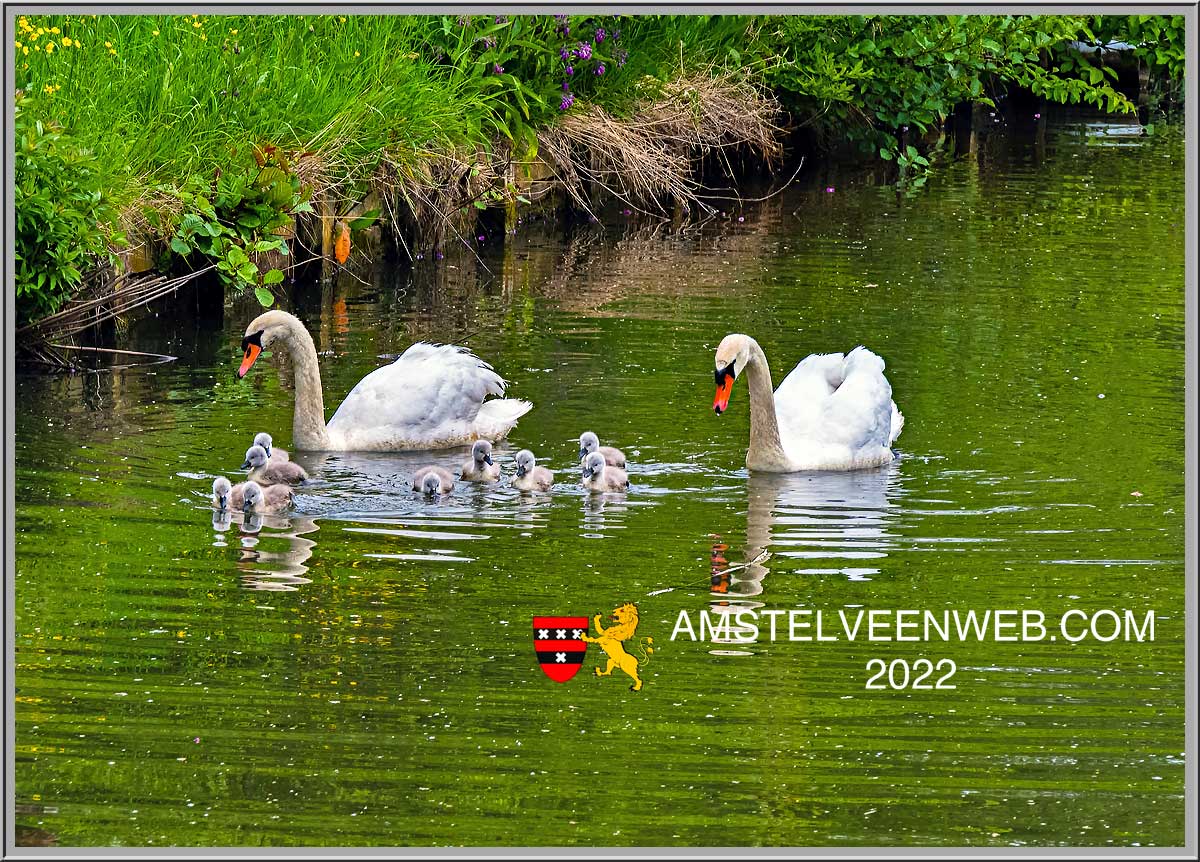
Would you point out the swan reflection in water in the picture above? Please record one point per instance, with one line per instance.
(264, 568)
(838, 523)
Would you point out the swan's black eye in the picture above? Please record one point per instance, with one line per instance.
(722, 373)
(255, 339)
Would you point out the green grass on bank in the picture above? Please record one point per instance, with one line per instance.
(200, 124)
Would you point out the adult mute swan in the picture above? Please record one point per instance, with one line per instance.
(832, 412)
(432, 397)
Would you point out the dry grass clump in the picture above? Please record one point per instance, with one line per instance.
(652, 157)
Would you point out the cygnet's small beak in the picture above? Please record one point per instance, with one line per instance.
(487, 460)
(224, 502)
(587, 472)
(246, 464)
(582, 451)
(520, 470)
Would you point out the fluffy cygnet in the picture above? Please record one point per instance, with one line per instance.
(598, 476)
(589, 443)
(531, 477)
(480, 467)
(272, 498)
(268, 472)
(433, 480)
(273, 452)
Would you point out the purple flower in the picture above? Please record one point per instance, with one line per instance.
(1037, 116)
(828, 190)
(570, 70)
(741, 218)
(584, 51)
(616, 35)
(567, 101)
(565, 54)
(464, 20)
(500, 19)
(600, 69)
(497, 69)
(479, 238)
(622, 55)
(566, 86)
(599, 35)
(440, 255)
(560, 17)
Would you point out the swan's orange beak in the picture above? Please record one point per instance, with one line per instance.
(251, 356)
(721, 400)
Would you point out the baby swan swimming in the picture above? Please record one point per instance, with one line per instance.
(271, 499)
(480, 467)
(275, 454)
(531, 477)
(223, 497)
(249, 496)
(598, 476)
(433, 481)
(589, 443)
(266, 471)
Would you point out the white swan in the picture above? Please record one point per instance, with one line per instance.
(432, 397)
(832, 412)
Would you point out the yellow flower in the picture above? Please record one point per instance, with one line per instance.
(37, 47)
(195, 23)
(18, 44)
(54, 30)
(203, 37)
(41, 31)
(233, 32)
(25, 50)
(342, 18)
(155, 33)
(66, 41)
(49, 47)
(355, 53)
(112, 51)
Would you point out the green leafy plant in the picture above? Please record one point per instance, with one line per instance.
(63, 219)
(871, 78)
(242, 212)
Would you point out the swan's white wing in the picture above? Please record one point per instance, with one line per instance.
(799, 398)
(431, 393)
(837, 407)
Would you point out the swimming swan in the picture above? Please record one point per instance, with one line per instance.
(832, 412)
(432, 397)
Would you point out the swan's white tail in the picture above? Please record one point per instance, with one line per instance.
(897, 423)
(497, 417)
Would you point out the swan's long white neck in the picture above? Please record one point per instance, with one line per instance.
(766, 449)
(308, 424)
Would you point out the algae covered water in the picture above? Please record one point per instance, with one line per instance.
(362, 671)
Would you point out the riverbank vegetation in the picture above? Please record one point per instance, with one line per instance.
(252, 141)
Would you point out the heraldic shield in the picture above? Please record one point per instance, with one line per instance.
(559, 644)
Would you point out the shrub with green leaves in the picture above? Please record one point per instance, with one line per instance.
(868, 77)
(63, 219)
(241, 212)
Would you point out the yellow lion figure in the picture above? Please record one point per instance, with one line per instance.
(612, 641)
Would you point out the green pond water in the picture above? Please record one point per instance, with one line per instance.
(362, 672)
